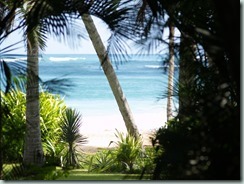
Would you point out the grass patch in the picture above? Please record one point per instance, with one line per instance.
(56, 173)
(79, 175)
(18, 172)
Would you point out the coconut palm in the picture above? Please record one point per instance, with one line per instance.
(111, 76)
(40, 18)
(110, 13)
(170, 72)
(33, 151)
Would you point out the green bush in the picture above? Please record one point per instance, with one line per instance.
(194, 150)
(102, 162)
(51, 108)
(53, 152)
(145, 163)
(19, 172)
(13, 125)
(127, 156)
(70, 124)
(128, 150)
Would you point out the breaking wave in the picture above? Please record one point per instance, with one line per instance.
(154, 66)
(59, 59)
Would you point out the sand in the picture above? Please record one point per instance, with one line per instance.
(100, 130)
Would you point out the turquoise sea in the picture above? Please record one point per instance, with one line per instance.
(143, 80)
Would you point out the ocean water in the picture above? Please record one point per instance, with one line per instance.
(142, 78)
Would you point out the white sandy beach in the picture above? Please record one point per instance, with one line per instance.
(100, 130)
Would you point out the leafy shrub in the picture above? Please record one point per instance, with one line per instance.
(54, 152)
(70, 125)
(19, 172)
(13, 171)
(103, 161)
(128, 150)
(194, 150)
(127, 153)
(51, 108)
(13, 125)
(145, 163)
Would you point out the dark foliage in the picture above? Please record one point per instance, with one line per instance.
(203, 142)
(7, 15)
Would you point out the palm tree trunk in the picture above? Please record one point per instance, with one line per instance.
(33, 151)
(111, 76)
(187, 74)
(1, 140)
(170, 72)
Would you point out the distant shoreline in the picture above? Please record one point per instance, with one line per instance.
(98, 141)
(100, 130)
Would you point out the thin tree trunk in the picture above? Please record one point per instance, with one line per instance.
(111, 76)
(33, 151)
(187, 74)
(170, 72)
(1, 140)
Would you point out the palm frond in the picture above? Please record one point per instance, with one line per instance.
(56, 85)
(122, 20)
(7, 75)
(10, 70)
(64, 28)
(123, 30)
(7, 15)
(56, 18)
(118, 48)
(14, 172)
(70, 125)
(111, 12)
(115, 14)
(12, 47)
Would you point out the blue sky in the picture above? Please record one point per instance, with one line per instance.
(84, 46)
(56, 47)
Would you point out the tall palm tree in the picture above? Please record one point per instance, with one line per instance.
(202, 23)
(111, 75)
(103, 9)
(170, 72)
(41, 18)
(33, 151)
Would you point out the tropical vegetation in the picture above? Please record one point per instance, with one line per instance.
(201, 142)
(70, 126)
(52, 108)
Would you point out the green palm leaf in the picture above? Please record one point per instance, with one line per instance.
(70, 125)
